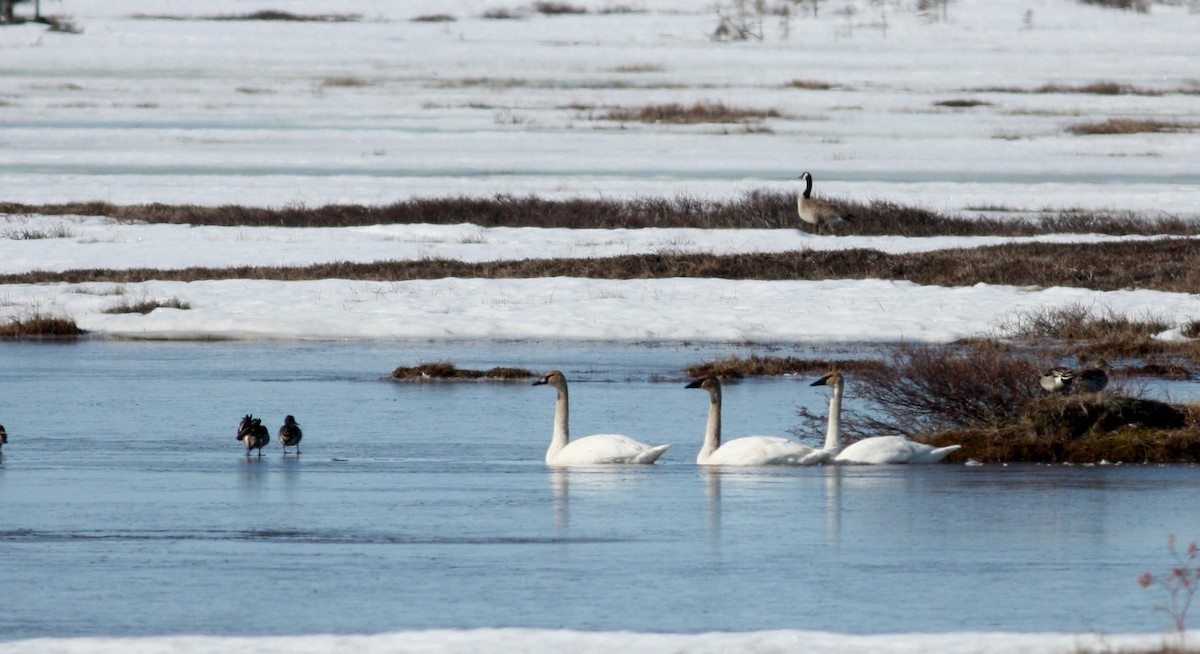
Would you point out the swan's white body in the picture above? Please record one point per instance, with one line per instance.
(744, 451)
(869, 451)
(590, 450)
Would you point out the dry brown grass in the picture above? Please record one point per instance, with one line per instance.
(263, 15)
(1101, 87)
(1088, 332)
(38, 325)
(146, 306)
(962, 103)
(1167, 265)
(1129, 126)
(988, 401)
(810, 85)
(699, 112)
(557, 8)
(446, 371)
(1084, 429)
(736, 367)
(754, 209)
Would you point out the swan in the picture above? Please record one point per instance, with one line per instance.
(876, 449)
(290, 434)
(253, 434)
(817, 213)
(744, 451)
(594, 449)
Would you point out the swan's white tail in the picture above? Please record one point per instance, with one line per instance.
(651, 455)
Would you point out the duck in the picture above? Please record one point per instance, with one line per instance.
(1094, 378)
(818, 213)
(290, 434)
(1057, 380)
(876, 449)
(253, 434)
(594, 449)
(744, 451)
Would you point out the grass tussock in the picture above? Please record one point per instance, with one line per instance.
(446, 371)
(558, 8)
(33, 233)
(962, 103)
(810, 85)
(759, 209)
(1089, 332)
(1085, 429)
(737, 367)
(1091, 88)
(146, 306)
(1129, 126)
(262, 15)
(38, 325)
(988, 401)
(698, 112)
(1168, 265)
(344, 82)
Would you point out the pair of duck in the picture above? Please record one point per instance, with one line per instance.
(745, 451)
(1092, 379)
(255, 437)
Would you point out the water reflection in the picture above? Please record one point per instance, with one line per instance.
(559, 482)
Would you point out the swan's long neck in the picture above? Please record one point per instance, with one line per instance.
(712, 433)
(833, 434)
(561, 434)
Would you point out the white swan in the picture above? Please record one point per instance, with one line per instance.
(594, 449)
(874, 450)
(744, 451)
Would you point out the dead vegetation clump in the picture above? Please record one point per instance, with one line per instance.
(988, 401)
(558, 8)
(146, 306)
(446, 371)
(38, 325)
(737, 367)
(433, 18)
(698, 112)
(1167, 264)
(1129, 126)
(759, 209)
(962, 103)
(1088, 428)
(1088, 332)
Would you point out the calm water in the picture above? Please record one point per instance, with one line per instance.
(127, 507)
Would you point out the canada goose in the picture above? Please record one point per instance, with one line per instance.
(1094, 378)
(876, 449)
(818, 213)
(589, 450)
(253, 434)
(3, 436)
(290, 434)
(744, 451)
(1057, 379)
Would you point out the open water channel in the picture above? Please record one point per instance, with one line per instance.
(128, 508)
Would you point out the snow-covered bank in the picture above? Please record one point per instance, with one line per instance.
(270, 113)
(568, 309)
(534, 641)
